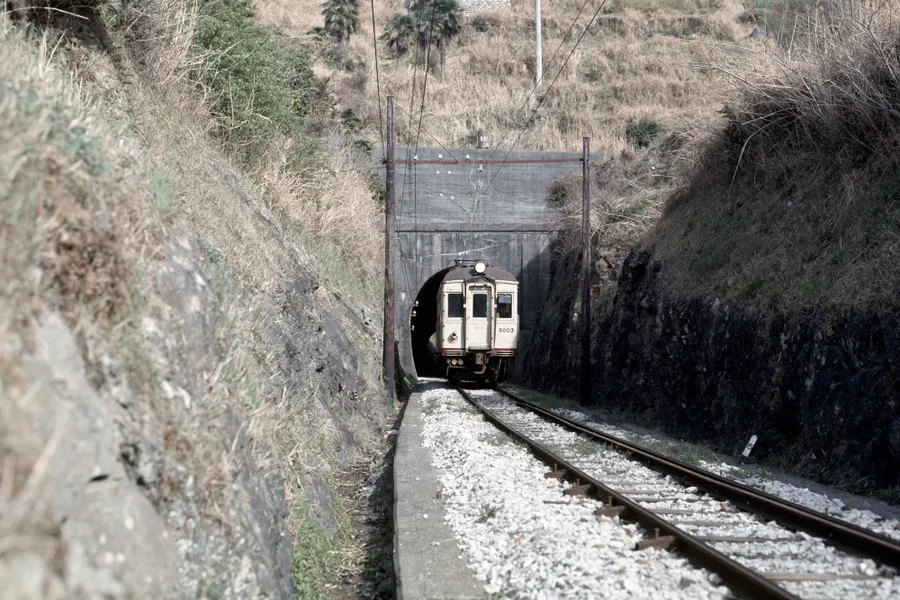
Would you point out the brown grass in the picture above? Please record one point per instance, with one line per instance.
(630, 65)
(792, 206)
(103, 163)
(626, 196)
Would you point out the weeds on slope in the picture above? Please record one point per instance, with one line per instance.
(790, 201)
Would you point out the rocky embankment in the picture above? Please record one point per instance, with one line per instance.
(180, 382)
(819, 390)
(120, 504)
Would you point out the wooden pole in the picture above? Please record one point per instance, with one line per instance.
(586, 274)
(389, 244)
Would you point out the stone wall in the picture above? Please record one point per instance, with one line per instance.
(479, 6)
(821, 391)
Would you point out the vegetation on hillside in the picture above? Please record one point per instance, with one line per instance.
(341, 20)
(197, 118)
(258, 85)
(791, 203)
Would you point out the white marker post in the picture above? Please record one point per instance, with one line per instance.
(749, 446)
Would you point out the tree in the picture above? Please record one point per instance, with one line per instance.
(438, 20)
(400, 33)
(341, 20)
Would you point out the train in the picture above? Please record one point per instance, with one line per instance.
(477, 329)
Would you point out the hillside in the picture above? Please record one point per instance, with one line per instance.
(764, 299)
(189, 309)
(792, 203)
(191, 402)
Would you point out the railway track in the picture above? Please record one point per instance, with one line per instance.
(760, 545)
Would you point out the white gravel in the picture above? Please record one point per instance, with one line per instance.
(772, 548)
(523, 537)
(800, 495)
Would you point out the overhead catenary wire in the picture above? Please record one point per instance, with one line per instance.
(418, 132)
(412, 99)
(541, 79)
(534, 89)
(435, 139)
(544, 97)
(377, 81)
(427, 64)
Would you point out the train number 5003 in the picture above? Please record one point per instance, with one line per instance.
(507, 330)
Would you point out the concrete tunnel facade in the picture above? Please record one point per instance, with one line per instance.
(495, 213)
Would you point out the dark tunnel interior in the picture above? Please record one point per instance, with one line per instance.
(427, 363)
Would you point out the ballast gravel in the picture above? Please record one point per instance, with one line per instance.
(772, 548)
(523, 537)
(799, 495)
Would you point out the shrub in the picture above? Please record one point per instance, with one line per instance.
(259, 88)
(643, 132)
(480, 24)
(399, 33)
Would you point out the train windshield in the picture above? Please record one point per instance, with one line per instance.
(479, 306)
(455, 306)
(504, 306)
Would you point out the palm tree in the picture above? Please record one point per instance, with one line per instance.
(399, 33)
(438, 20)
(341, 20)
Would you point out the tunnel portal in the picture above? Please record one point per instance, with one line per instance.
(464, 209)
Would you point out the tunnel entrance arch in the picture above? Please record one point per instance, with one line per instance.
(499, 211)
(424, 325)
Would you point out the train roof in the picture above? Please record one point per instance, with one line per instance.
(467, 272)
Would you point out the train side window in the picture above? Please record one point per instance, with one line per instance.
(504, 306)
(479, 306)
(455, 306)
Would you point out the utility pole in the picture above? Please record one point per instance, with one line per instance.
(538, 61)
(586, 273)
(389, 235)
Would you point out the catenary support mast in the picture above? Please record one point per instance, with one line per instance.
(586, 375)
(390, 233)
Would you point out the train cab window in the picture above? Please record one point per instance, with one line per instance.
(455, 306)
(504, 306)
(479, 306)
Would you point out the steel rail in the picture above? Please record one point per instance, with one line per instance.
(851, 537)
(733, 573)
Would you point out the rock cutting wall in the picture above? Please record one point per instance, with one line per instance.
(126, 508)
(821, 391)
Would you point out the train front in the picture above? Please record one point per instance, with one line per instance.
(478, 322)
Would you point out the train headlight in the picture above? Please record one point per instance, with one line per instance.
(479, 267)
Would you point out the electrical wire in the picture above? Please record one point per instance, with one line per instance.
(544, 97)
(377, 82)
(418, 133)
(437, 141)
(539, 81)
(427, 64)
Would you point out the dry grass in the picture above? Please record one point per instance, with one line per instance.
(641, 59)
(626, 200)
(331, 205)
(99, 170)
(67, 240)
(160, 34)
(631, 64)
(792, 206)
(836, 92)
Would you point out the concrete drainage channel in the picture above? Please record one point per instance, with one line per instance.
(528, 530)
